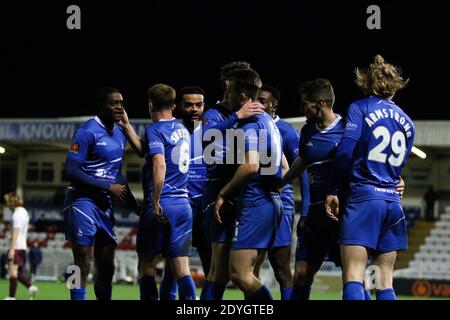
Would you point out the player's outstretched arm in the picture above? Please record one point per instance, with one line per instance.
(158, 178)
(134, 140)
(242, 175)
(294, 171)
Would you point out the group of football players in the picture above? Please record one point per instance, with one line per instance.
(220, 180)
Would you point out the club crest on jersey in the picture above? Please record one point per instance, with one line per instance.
(75, 147)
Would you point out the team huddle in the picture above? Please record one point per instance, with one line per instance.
(220, 180)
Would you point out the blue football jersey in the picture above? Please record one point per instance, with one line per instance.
(291, 139)
(385, 136)
(213, 118)
(99, 151)
(318, 150)
(172, 140)
(262, 135)
(197, 176)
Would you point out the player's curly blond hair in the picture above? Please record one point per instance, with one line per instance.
(380, 78)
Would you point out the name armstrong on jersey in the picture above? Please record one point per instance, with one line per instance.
(379, 114)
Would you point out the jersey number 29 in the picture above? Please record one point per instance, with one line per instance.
(398, 146)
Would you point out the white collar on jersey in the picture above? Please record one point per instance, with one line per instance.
(331, 126)
(276, 119)
(164, 120)
(100, 122)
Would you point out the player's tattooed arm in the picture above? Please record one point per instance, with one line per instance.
(134, 140)
(159, 174)
(243, 174)
(294, 171)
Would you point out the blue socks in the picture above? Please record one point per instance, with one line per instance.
(300, 293)
(367, 295)
(78, 294)
(148, 288)
(212, 291)
(353, 290)
(169, 287)
(207, 291)
(286, 293)
(102, 291)
(386, 294)
(263, 294)
(186, 288)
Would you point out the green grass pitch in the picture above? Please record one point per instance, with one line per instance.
(59, 291)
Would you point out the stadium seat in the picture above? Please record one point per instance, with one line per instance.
(432, 261)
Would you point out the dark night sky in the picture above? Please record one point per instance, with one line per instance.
(49, 71)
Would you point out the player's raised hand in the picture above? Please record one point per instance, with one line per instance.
(332, 207)
(119, 191)
(249, 109)
(218, 206)
(159, 213)
(124, 121)
(400, 187)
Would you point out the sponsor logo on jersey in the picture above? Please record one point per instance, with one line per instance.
(351, 126)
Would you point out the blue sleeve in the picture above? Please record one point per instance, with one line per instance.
(251, 137)
(354, 122)
(120, 178)
(155, 142)
(81, 143)
(341, 164)
(292, 143)
(410, 144)
(304, 191)
(212, 121)
(76, 174)
(301, 141)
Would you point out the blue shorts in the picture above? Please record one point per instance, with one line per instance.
(85, 221)
(376, 224)
(216, 232)
(256, 226)
(318, 238)
(283, 237)
(171, 239)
